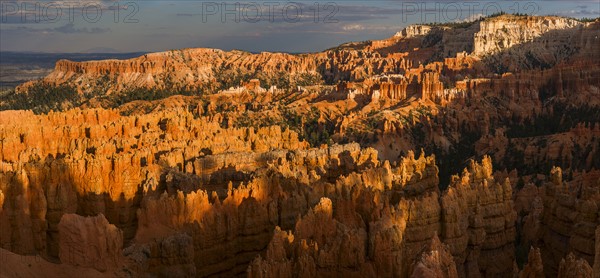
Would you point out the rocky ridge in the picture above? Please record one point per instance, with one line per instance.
(320, 178)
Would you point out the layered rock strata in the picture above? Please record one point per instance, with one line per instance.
(265, 183)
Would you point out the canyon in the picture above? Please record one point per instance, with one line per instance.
(447, 150)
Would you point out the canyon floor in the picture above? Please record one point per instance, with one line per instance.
(448, 150)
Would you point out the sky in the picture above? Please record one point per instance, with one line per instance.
(278, 26)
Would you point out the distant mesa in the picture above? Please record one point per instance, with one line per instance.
(447, 150)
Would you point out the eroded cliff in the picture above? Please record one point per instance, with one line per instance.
(281, 165)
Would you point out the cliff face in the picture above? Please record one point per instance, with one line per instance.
(500, 33)
(569, 220)
(562, 221)
(383, 237)
(435, 261)
(179, 208)
(534, 267)
(530, 41)
(320, 178)
(89, 242)
(573, 267)
(183, 68)
(597, 260)
(103, 163)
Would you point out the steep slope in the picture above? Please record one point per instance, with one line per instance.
(280, 165)
(541, 41)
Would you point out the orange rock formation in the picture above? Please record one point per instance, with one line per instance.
(319, 178)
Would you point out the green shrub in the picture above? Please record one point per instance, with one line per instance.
(147, 94)
(41, 98)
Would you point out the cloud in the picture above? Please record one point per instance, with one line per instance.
(309, 28)
(68, 28)
(353, 27)
(471, 18)
(178, 21)
(580, 13)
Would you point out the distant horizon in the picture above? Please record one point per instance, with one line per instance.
(115, 51)
(42, 52)
(287, 27)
